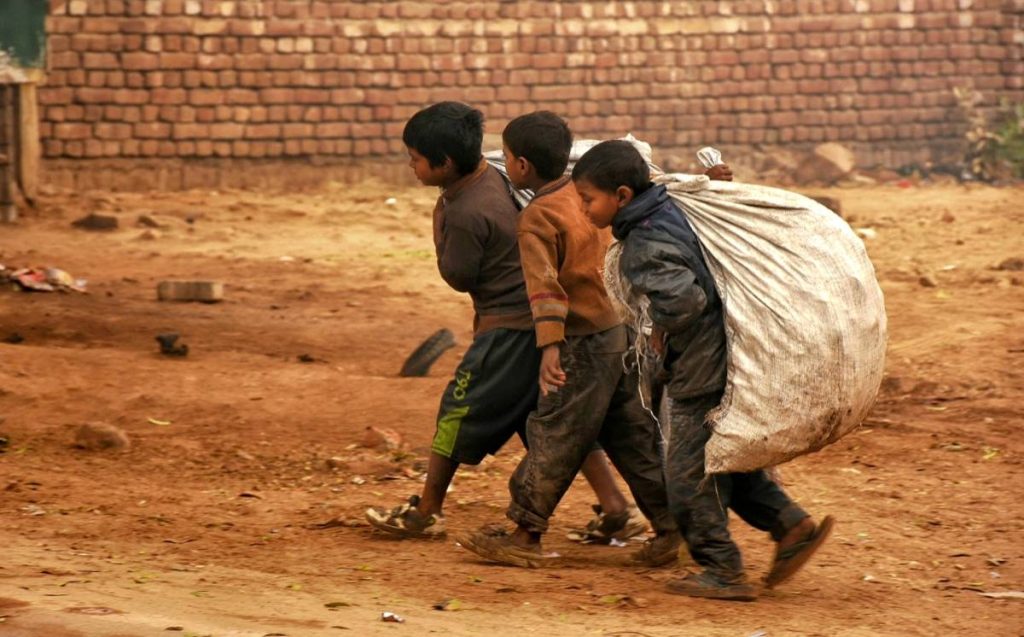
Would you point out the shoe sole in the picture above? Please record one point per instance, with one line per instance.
(661, 560)
(744, 593)
(624, 534)
(503, 557)
(630, 531)
(797, 562)
(399, 532)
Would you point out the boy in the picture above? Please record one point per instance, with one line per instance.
(661, 258)
(587, 395)
(495, 385)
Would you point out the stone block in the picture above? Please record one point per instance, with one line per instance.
(201, 291)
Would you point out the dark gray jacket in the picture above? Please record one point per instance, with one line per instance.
(661, 257)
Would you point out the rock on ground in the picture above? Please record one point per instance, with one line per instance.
(100, 436)
(827, 164)
(94, 221)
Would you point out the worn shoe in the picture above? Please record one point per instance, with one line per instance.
(606, 527)
(794, 550)
(708, 586)
(499, 548)
(657, 551)
(405, 521)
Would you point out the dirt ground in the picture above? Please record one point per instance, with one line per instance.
(207, 524)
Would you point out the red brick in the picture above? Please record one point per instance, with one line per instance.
(263, 131)
(90, 95)
(72, 130)
(152, 130)
(191, 131)
(140, 61)
(177, 60)
(205, 97)
(131, 96)
(276, 96)
(227, 130)
(100, 61)
(110, 130)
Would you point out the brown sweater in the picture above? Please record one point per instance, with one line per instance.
(563, 258)
(475, 238)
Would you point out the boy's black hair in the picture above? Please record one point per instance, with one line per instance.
(544, 139)
(447, 129)
(612, 164)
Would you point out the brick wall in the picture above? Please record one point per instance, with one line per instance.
(335, 80)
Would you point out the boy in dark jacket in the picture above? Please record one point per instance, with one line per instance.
(495, 385)
(588, 392)
(661, 258)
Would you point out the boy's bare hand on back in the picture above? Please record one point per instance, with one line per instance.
(721, 172)
(658, 337)
(551, 375)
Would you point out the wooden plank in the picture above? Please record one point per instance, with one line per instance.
(29, 147)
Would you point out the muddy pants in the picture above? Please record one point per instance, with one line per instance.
(700, 505)
(600, 402)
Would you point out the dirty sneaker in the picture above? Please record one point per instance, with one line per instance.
(657, 551)
(606, 527)
(498, 547)
(709, 586)
(405, 521)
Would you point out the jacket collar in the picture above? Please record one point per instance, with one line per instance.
(643, 206)
(452, 192)
(551, 187)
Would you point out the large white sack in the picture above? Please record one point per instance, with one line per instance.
(805, 320)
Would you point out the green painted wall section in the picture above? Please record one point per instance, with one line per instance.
(23, 31)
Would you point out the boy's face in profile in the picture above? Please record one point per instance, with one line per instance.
(516, 167)
(601, 206)
(427, 174)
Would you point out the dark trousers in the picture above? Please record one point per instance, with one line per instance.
(700, 503)
(600, 402)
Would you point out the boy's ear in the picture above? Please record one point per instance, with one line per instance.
(624, 195)
(448, 167)
(524, 165)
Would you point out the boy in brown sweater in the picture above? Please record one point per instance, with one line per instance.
(589, 392)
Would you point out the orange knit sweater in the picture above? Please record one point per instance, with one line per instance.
(563, 259)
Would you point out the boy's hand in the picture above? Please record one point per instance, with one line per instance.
(658, 340)
(551, 375)
(721, 172)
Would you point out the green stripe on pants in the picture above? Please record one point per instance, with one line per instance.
(448, 430)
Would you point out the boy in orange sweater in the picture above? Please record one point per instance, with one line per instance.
(589, 392)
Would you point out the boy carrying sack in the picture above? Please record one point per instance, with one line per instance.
(661, 259)
(588, 395)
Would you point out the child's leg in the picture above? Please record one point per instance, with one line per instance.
(561, 433)
(494, 387)
(632, 439)
(599, 475)
(700, 504)
(485, 403)
(440, 472)
(762, 504)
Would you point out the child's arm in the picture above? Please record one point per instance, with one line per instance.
(711, 159)
(659, 270)
(719, 172)
(538, 249)
(459, 254)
